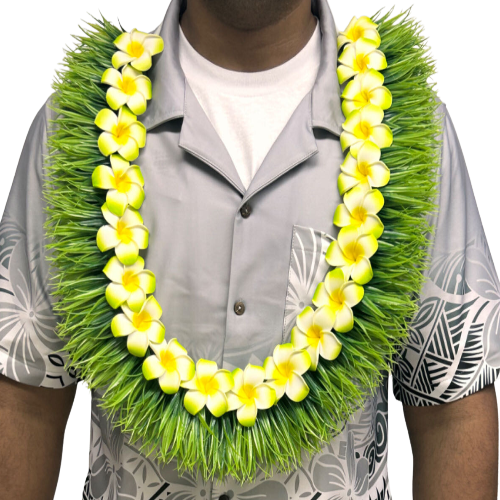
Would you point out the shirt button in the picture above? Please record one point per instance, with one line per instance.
(246, 210)
(239, 308)
(224, 497)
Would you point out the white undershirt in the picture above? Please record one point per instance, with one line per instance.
(250, 109)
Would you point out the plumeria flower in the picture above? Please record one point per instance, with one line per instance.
(122, 134)
(141, 328)
(129, 284)
(170, 364)
(125, 184)
(250, 394)
(359, 57)
(352, 251)
(366, 88)
(208, 387)
(363, 125)
(284, 370)
(340, 295)
(136, 49)
(129, 87)
(313, 332)
(126, 234)
(363, 27)
(365, 171)
(360, 209)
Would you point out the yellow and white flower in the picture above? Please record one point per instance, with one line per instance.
(250, 394)
(126, 234)
(141, 328)
(352, 251)
(170, 364)
(130, 87)
(129, 284)
(284, 370)
(313, 332)
(122, 134)
(340, 295)
(208, 387)
(366, 88)
(360, 209)
(359, 57)
(136, 49)
(365, 171)
(124, 182)
(363, 125)
(363, 27)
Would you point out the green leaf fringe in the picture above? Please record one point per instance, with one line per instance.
(219, 447)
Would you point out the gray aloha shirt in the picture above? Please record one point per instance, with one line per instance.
(207, 256)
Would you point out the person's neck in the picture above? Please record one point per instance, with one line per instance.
(247, 50)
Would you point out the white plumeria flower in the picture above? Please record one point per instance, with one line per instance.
(360, 209)
(340, 295)
(125, 184)
(313, 332)
(366, 171)
(129, 284)
(136, 49)
(359, 57)
(141, 328)
(364, 125)
(123, 134)
(250, 394)
(284, 370)
(130, 87)
(126, 234)
(208, 387)
(170, 364)
(352, 251)
(366, 88)
(363, 27)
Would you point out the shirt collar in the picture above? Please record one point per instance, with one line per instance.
(169, 83)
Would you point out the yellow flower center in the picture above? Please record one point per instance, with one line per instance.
(128, 85)
(121, 134)
(208, 385)
(361, 63)
(130, 281)
(314, 334)
(167, 360)
(364, 168)
(336, 300)
(359, 213)
(286, 371)
(247, 394)
(363, 130)
(356, 33)
(141, 321)
(123, 232)
(352, 251)
(135, 49)
(362, 98)
(121, 183)
(365, 96)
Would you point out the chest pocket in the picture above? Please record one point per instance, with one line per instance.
(307, 269)
(167, 177)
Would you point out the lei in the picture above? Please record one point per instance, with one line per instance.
(234, 423)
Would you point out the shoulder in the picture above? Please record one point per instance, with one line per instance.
(42, 120)
(451, 154)
(31, 162)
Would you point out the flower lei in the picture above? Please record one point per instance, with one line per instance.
(255, 387)
(341, 347)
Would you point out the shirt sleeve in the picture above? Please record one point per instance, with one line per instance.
(454, 345)
(29, 347)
